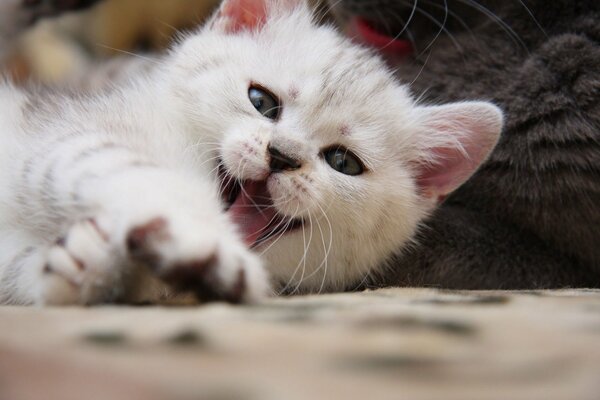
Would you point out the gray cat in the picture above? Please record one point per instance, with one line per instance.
(530, 218)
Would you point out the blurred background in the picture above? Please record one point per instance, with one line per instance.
(57, 50)
(70, 49)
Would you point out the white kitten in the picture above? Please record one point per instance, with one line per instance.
(326, 162)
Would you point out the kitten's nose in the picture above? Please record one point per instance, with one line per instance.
(281, 162)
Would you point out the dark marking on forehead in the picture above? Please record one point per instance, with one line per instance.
(293, 92)
(345, 130)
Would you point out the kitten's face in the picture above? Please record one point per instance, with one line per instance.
(317, 145)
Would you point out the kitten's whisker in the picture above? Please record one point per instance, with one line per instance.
(271, 109)
(442, 26)
(290, 280)
(199, 143)
(488, 13)
(214, 171)
(164, 23)
(306, 249)
(223, 183)
(282, 232)
(398, 17)
(533, 18)
(129, 53)
(423, 93)
(302, 261)
(201, 156)
(410, 17)
(420, 72)
(327, 9)
(454, 15)
(328, 247)
(366, 277)
(277, 226)
(324, 261)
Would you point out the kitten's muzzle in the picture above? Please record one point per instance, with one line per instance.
(280, 162)
(250, 205)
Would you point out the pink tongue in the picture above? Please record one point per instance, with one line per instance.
(251, 212)
(362, 30)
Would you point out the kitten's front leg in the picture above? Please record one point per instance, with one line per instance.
(131, 218)
(173, 226)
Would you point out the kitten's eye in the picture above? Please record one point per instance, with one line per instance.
(265, 102)
(344, 161)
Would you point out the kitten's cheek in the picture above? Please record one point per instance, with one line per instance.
(289, 196)
(245, 157)
(242, 163)
(279, 189)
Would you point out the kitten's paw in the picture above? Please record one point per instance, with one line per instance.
(193, 258)
(81, 268)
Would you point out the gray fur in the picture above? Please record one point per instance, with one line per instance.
(530, 218)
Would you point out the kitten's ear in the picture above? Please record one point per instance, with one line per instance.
(456, 139)
(240, 15)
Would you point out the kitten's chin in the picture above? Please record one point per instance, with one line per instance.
(250, 207)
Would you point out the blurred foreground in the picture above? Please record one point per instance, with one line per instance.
(384, 344)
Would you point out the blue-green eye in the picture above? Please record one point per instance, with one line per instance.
(264, 102)
(344, 161)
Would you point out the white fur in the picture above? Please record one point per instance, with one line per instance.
(166, 131)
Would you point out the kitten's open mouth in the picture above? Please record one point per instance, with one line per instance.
(371, 35)
(251, 208)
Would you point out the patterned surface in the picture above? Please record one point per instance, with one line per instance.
(384, 344)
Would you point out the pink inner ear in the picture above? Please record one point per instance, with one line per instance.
(244, 14)
(474, 128)
(451, 169)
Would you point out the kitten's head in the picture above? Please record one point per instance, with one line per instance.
(327, 162)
